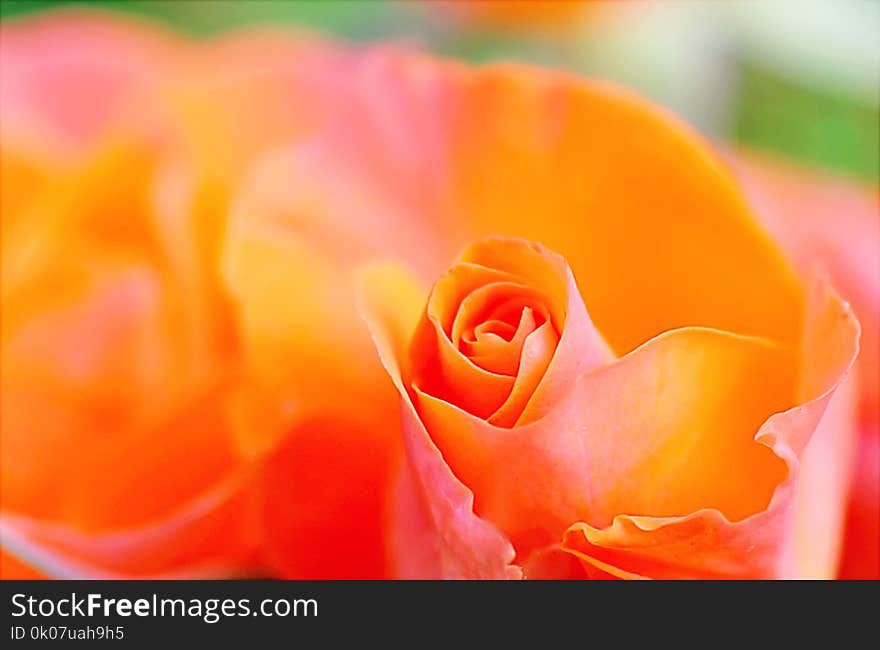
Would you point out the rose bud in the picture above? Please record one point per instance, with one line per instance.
(532, 450)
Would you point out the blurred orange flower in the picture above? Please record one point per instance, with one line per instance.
(183, 390)
(529, 15)
(188, 388)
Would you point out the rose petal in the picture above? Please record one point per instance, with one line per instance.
(633, 437)
(183, 545)
(463, 545)
(91, 333)
(502, 301)
(455, 286)
(82, 375)
(317, 398)
(531, 481)
(535, 357)
(823, 483)
(442, 371)
(706, 544)
(322, 498)
(833, 223)
(431, 136)
(11, 568)
(67, 76)
(573, 154)
(497, 346)
(861, 561)
(442, 368)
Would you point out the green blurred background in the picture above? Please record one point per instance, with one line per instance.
(799, 78)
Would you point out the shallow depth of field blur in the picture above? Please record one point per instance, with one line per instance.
(790, 81)
(795, 78)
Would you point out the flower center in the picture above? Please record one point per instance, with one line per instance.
(488, 337)
(493, 323)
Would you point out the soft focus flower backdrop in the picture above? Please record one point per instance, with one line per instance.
(168, 410)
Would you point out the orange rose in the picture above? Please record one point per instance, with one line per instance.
(656, 232)
(188, 388)
(676, 460)
(109, 367)
(173, 402)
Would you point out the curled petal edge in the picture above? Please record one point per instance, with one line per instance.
(705, 544)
